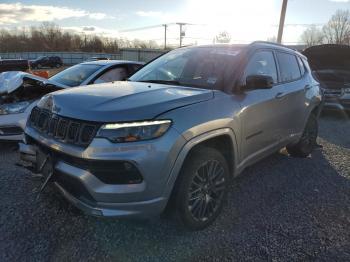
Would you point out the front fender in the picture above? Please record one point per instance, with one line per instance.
(191, 144)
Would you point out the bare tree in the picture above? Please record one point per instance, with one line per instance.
(312, 36)
(50, 37)
(337, 30)
(223, 37)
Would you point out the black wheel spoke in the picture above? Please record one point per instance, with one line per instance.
(204, 210)
(206, 190)
(194, 208)
(195, 192)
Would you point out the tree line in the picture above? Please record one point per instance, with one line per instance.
(49, 37)
(335, 31)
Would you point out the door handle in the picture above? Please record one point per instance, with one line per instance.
(280, 95)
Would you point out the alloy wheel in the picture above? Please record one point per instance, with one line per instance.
(206, 190)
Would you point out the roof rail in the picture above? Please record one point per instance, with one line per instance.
(272, 43)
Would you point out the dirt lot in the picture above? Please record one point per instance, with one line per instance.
(281, 209)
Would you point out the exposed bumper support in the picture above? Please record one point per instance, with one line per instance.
(27, 153)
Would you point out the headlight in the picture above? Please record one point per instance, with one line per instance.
(134, 131)
(14, 108)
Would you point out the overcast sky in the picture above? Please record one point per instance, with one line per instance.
(245, 20)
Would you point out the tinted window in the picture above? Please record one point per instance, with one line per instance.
(115, 74)
(135, 67)
(301, 66)
(288, 67)
(262, 63)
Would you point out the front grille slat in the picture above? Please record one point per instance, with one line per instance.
(71, 131)
(53, 126)
(62, 128)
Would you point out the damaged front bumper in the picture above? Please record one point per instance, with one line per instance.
(80, 188)
(107, 179)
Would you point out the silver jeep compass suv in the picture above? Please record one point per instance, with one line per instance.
(176, 132)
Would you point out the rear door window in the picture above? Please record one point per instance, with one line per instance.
(289, 68)
(115, 74)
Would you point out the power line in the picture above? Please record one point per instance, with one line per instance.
(315, 24)
(140, 28)
(182, 32)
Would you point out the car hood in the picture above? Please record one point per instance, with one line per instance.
(13, 80)
(330, 64)
(328, 57)
(121, 101)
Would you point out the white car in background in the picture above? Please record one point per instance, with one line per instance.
(20, 91)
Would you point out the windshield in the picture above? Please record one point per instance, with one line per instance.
(75, 75)
(203, 67)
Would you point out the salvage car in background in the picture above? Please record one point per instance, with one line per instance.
(46, 61)
(331, 66)
(19, 91)
(13, 65)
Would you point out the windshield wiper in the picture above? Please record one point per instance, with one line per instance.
(165, 82)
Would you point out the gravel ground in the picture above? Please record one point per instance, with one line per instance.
(281, 209)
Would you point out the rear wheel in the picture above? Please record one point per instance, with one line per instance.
(308, 139)
(58, 65)
(201, 188)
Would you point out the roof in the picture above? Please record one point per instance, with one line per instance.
(111, 62)
(256, 44)
(228, 46)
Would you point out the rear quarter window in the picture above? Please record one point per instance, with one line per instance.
(289, 68)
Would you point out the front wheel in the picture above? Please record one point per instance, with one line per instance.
(308, 139)
(201, 188)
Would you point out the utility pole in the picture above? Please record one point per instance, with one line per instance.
(182, 34)
(282, 18)
(165, 28)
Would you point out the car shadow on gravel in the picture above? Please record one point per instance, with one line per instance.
(281, 208)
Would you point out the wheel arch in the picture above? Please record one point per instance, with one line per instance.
(215, 138)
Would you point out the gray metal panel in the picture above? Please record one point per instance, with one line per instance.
(71, 58)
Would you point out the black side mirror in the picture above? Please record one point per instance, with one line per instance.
(259, 82)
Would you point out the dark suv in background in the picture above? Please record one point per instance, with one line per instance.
(46, 61)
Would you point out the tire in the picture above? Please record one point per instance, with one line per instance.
(57, 65)
(307, 141)
(198, 202)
